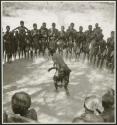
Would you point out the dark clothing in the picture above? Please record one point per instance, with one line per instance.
(44, 37)
(89, 36)
(94, 48)
(21, 37)
(110, 45)
(63, 75)
(81, 41)
(62, 41)
(53, 34)
(8, 42)
(108, 115)
(71, 35)
(53, 37)
(30, 117)
(102, 50)
(35, 38)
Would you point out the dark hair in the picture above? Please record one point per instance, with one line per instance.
(96, 24)
(90, 26)
(53, 24)
(107, 100)
(21, 21)
(8, 26)
(34, 24)
(21, 101)
(81, 27)
(112, 32)
(44, 23)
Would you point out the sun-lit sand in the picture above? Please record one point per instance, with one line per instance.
(32, 76)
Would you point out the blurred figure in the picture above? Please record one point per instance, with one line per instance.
(92, 106)
(21, 38)
(108, 104)
(97, 28)
(53, 38)
(15, 44)
(81, 41)
(94, 49)
(110, 52)
(62, 41)
(35, 39)
(101, 53)
(71, 38)
(62, 73)
(44, 37)
(21, 103)
(8, 41)
(89, 34)
(29, 45)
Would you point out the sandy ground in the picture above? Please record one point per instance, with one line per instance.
(32, 77)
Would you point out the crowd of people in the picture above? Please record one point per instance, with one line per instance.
(89, 44)
(71, 43)
(23, 112)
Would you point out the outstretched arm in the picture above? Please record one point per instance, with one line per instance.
(15, 28)
(52, 68)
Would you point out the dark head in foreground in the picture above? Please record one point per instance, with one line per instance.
(108, 104)
(21, 102)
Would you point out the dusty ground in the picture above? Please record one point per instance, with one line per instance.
(32, 77)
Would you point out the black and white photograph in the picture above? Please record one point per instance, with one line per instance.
(58, 62)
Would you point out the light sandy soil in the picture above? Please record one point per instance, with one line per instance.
(32, 77)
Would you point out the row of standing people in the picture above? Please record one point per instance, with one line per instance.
(90, 43)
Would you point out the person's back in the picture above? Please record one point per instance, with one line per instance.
(57, 58)
(16, 118)
(21, 103)
(108, 115)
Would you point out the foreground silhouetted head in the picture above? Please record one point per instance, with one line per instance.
(108, 99)
(21, 102)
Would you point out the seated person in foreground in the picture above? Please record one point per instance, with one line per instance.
(92, 111)
(21, 103)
